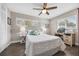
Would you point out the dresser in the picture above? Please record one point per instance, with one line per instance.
(69, 38)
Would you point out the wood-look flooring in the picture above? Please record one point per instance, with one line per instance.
(17, 49)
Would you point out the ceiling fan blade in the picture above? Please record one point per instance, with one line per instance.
(37, 9)
(44, 5)
(47, 13)
(51, 8)
(40, 13)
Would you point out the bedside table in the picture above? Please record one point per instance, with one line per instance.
(69, 38)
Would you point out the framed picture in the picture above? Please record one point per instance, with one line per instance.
(8, 20)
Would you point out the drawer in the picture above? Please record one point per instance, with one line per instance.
(67, 41)
(67, 37)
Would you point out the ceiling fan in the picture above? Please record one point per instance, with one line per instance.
(45, 9)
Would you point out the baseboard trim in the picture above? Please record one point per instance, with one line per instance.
(15, 41)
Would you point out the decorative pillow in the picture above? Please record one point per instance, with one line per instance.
(28, 32)
(33, 32)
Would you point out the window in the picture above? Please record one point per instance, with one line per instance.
(68, 24)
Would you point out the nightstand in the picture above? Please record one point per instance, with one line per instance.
(69, 38)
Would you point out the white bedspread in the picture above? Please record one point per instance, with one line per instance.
(42, 43)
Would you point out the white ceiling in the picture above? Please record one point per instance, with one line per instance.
(27, 8)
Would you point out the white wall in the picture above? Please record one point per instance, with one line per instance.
(8, 27)
(53, 27)
(4, 40)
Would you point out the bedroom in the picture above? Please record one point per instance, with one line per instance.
(20, 22)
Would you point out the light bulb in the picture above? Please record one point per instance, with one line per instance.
(44, 11)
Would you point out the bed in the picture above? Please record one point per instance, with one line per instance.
(43, 45)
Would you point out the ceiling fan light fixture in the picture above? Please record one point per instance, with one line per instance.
(44, 11)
